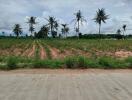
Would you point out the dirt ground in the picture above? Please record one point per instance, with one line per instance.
(64, 71)
(63, 84)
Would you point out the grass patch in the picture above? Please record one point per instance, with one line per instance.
(12, 63)
(73, 62)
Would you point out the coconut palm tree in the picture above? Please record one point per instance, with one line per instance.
(32, 22)
(79, 19)
(56, 26)
(124, 30)
(17, 29)
(52, 23)
(65, 29)
(100, 17)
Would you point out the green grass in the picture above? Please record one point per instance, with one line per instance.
(11, 61)
(74, 62)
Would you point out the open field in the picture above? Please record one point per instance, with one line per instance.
(66, 85)
(65, 53)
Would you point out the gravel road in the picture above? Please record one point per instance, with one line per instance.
(66, 86)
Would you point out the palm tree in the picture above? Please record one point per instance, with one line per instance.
(56, 26)
(32, 22)
(17, 30)
(52, 23)
(79, 19)
(100, 17)
(65, 29)
(124, 29)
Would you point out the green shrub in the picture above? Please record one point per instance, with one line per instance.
(81, 62)
(12, 63)
(129, 61)
(40, 64)
(112, 63)
(47, 64)
(1, 59)
(70, 62)
(92, 63)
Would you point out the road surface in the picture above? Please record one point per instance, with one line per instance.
(66, 86)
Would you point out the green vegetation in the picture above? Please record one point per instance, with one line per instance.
(65, 53)
(73, 62)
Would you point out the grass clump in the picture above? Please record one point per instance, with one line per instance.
(112, 63)
(129, 61)
(70, 62)
(81, 62)
(12, 63)
(47, 64)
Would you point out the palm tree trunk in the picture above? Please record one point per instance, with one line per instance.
(78, 29)
(99, 30)
(52, 31)
(124, 34)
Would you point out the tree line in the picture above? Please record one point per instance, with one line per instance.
(52, 26)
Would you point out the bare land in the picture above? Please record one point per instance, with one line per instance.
(63, 84)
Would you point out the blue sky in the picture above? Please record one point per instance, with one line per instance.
(17, 11)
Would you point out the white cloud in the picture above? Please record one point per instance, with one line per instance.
(16, 11)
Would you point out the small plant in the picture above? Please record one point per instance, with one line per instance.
(11, 63)
(81, 62)
(129, 61)
(70, 62)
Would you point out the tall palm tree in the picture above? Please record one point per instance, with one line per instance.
(124, 30)
(17, 29)
(79, 19)
(32, 22)
(100, 17)
(52, 23)
(65, 29)
(56, 26)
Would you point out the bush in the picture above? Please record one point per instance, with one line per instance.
(12, 63)
(47, 64)
(81, 62)
(129, 61)
(92, 63)
(40, 64)
(112, 63)
(70, 62)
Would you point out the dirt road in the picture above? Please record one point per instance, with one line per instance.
(66, 85)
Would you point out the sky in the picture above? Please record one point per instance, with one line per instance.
(18, 11)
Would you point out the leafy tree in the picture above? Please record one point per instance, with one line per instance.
(43, 33)
(100, 17)
(53, 24)
(65, 29)
(32, 22)
(17, 29)
(79, 19)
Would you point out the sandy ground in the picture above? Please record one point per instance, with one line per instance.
(62, 84)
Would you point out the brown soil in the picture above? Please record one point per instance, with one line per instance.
(32, 52)
(42, 53)
(55, 53)
(123, 54)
